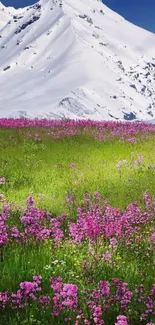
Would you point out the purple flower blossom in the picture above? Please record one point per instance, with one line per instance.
(44, 301)
(3, 299)
(30, 202)
(72, 165)
(65, 295)
(121, 320)
(2, 180)
(107, 257)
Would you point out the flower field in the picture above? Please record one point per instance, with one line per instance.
(77, 223)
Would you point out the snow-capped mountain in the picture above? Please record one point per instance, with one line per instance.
(75, 59)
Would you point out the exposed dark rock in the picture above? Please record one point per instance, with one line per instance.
(7, 68)
(133, 86)
(129, 116)
(116, 118)
(84, 16)
(150, 113)
(29, 22)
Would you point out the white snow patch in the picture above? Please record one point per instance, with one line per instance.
(75, 59)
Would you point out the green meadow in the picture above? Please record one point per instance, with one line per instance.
(58, 173)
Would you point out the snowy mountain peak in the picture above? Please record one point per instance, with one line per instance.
(75, 59)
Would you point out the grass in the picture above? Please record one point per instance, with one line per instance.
(41, 166)
(44, 168)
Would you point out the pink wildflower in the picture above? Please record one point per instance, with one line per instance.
(2, 180)
(72, 165)
(107, 257)
(121, 320)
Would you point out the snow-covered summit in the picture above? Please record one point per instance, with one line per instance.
(75, 59)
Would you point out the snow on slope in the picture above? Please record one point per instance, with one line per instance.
(75, 59)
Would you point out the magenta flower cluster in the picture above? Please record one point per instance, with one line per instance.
(106, 221)
(100, 130)
(96, 224)
(65, 298)
(35, 224)
(93, 221)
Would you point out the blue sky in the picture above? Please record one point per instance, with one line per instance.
(139, 12)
